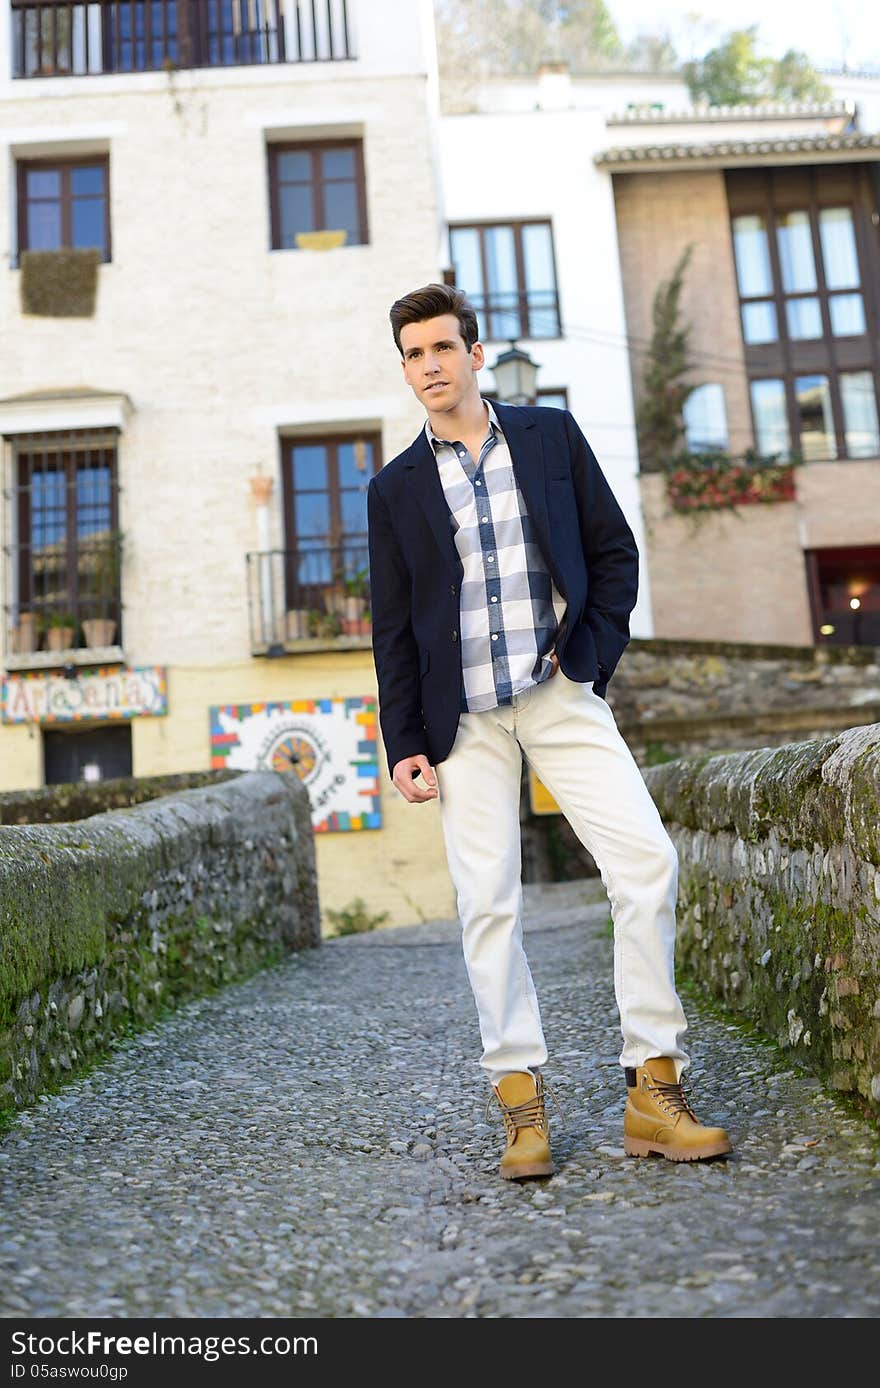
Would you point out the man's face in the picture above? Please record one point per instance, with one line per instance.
(437, 364)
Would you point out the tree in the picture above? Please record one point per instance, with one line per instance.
(652, 52)
(659, 420)
(513, 37)
(795, 79)
(733, 74)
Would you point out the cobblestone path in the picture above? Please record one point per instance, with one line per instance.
(313, 1143)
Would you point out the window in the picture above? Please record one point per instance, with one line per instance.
(555, 396)
(64, 204)
(859, 414)
(705, 418)
(798, 260)
(66, 542)
(770, 418)
(815, 425)
(317, 188)
(808, 272)
(325, 500)
(508, 272)
(844, 587)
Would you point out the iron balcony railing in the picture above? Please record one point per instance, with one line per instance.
(308, 594)
(51, 38)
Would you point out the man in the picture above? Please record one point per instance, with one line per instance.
(503, 574)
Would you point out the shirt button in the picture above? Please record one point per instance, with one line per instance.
(491, 558)
(494, 599)
(478, 483)
(495, 636)
(484, 519)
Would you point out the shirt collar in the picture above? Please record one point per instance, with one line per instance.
(436, 442)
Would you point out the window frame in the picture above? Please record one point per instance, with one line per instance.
(64, 165)
(315, 148)
(552, 390)
(768, 194)
(288, 493)
(68, 446)
(514, 224)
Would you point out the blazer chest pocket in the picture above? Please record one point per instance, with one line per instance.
(558, 476)
(424, 662)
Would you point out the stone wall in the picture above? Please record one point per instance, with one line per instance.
(674, 698)
(779, 892)
(106, 922)
(74, 800)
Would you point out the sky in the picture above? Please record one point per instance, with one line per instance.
(829, 31)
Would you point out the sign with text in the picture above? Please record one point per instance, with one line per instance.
(329, 743)
(92, 696)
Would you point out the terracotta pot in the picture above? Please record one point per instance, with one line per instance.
(23, 639)
(59, 639)
(99, 631)
(353, 608)
(356, 626)
(297, 623)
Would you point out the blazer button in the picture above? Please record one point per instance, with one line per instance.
(455, 636)
(453, 589)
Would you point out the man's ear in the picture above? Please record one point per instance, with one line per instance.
(478, 355)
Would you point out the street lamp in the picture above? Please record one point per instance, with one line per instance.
(516, 376)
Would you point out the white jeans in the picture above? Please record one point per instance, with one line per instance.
(569, 737)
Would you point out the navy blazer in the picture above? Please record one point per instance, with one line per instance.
(416, 573)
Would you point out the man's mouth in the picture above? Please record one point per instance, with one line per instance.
(437, 385)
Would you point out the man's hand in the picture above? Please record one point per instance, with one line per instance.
(403, 778)
(554, 661)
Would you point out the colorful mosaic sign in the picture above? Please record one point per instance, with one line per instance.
(91, 696)
(329, 743)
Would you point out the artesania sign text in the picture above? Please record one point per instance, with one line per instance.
(92, 696)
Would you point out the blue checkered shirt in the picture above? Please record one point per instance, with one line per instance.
(511, 610)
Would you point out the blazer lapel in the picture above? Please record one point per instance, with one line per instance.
(424, 479)
(527, 456)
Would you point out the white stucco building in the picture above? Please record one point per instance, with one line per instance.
(570, 199)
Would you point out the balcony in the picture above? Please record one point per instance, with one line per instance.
(51, 38)
(68, 609)
(309, 599)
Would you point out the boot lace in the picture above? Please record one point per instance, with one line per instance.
(528, 1114)
(673, 1097)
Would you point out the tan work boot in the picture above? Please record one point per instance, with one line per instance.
(521, 1100)
(658, 1117)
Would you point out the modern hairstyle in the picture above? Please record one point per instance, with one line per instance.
(430, 302)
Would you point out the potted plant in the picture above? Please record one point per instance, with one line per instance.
(336, 596)
(325, 623)
(23, 637)
(103, 574)
(298, 623)
(353, 615)
(60, 631)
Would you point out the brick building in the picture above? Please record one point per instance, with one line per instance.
(782, 299)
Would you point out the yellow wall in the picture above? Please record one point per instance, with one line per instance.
(400, 868)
